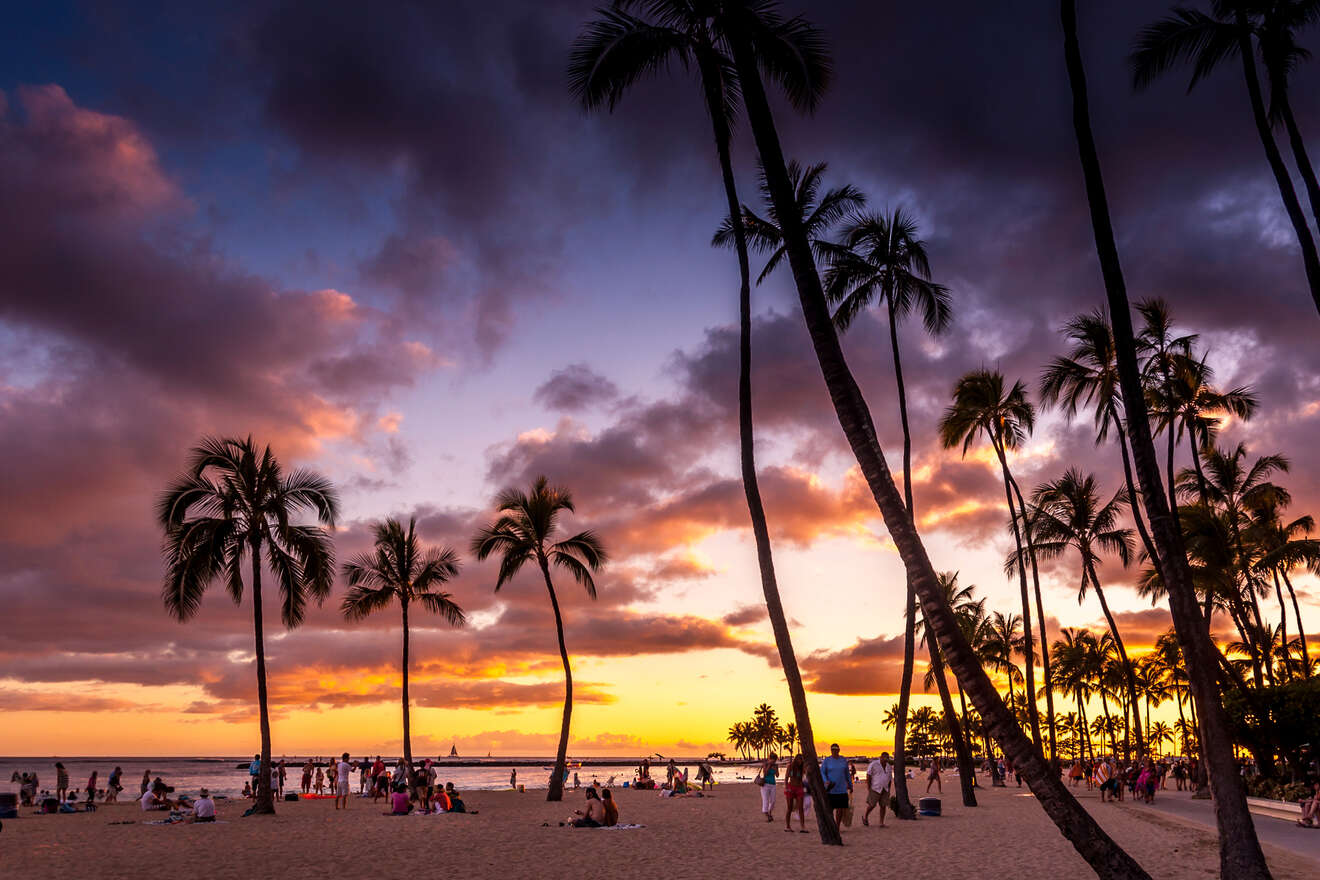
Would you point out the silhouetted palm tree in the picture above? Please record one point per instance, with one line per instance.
(982, 407)
(1088, 375)
(1276, 23)
(233, 505)
(400, 569)
(1283, 547)
(523, 533)
(1070, 516)
(1240, 854)
(607, 59)
(819, 214)
(1189, 35)
(1194, 407)
(881, 260)
(1162, 353)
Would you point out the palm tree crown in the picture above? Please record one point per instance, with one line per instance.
(881, 258)
(399, 569)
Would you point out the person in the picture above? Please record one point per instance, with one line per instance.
(253, 770)
(879, 778)
(513, 778)
(440, 800)
(319, 785)
(275, 782)
(1310, 806)
(835, 772)
(1147, 781)
(428, 784)
(795, 793)
(113, 787)
(203, 807)
(61, 782)
(284, 774)
(609, 809)
(91, 788)
(1103, 771)
(456, 804)
(933, 776)
(364, 775)
(342, 769)
(400, 804)
(769, 774)
(308, 769)
(670, 770)
(1075, 773)
(247, 791)
(155, 799)
(591, 816)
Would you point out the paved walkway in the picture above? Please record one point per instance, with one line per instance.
(1282, 833)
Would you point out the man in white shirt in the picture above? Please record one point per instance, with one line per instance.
(204, 808)
(342, 769)
(879, 777)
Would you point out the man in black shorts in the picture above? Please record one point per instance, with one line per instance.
(836, 773)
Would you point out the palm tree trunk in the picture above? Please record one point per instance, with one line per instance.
(1283, 625)
(829, 830)
(1291, 205)
(1299, 154)
(903, 807)
(1090, 840)
(1240, 855)
(407, 730)
(1028, 650)
(1128, 676)
(962, 752)
(1134, 499)
(1040, 617)
(265, 801)
(556, 792)
(1086, 730)
(1301, 633)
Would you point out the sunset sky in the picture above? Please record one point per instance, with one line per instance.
(384, 240)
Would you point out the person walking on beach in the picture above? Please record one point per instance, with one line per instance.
(61, 782)
(933, 777)
(113, 787)
(879, 777)
(837, 776)
(1104, 772)
(342, 769)
(769, 774)
(795, 793)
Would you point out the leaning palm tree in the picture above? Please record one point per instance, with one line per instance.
(523, 533)
(1240, 855)
(1070, 516)
(235, 505)
(756, 37)
(611, 55)
(881, 260)
(982, 407)
(1205, 40)
(1276, 23)
(400, 569)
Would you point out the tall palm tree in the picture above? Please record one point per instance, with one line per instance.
(982, 407)
(1240, 854)
(1088, 375)
(234, 504)
(1162, 352)
(524, 532)
(400, 569)
(882, 260)
(1205, 40)
(819, 215)
(1070, 516)
(1276, 23)
(607, 59)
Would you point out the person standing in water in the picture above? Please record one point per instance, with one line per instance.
(513, 778)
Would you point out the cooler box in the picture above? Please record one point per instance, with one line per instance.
(928, 806)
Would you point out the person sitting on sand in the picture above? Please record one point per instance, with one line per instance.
(155, 800)
(247, 791)
(591, 816)
(456, 804)
(203, 808)
(400, 805)
(609, 809)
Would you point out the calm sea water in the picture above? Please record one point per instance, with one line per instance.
(222, 776)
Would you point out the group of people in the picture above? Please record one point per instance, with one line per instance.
(1136, 777)
(600, 811)
(837, 774)
(66, 797)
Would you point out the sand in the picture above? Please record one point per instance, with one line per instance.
(721, 836)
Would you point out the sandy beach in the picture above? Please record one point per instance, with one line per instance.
(723, 835)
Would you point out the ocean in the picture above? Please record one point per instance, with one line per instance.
(223, 777)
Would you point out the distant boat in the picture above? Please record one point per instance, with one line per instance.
(453, 750)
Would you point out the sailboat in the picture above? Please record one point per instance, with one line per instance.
(453, 750)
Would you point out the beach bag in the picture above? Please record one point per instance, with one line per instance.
(291, 796)
(848, 813)
(759, 780)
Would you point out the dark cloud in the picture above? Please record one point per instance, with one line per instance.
(574, 388)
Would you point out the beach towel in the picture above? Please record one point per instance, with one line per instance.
(620, 827)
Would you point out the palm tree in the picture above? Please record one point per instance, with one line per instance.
(1276, 36)
(1088, 375)
(1162, 354)
(235, 504)
(819, 214)
(961, 601)
(1240, 854)
(981, 406)
(1284, 546)
(400, 569)
(523, 532)
(1074, 673)
(1004, 639)
(882, 259)
(607, 59)
(1189, 35)
(1195, 407)
(1070, 516)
